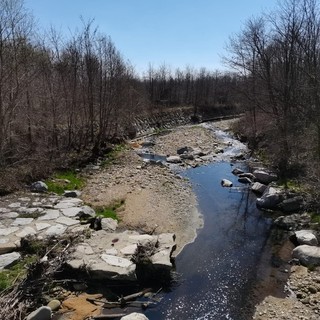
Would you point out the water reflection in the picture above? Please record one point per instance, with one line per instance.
(218, 269)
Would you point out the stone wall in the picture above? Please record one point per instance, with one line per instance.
(170, 118)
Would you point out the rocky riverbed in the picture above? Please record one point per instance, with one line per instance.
(157, 200)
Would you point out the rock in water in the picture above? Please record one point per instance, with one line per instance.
(42, 313)
(264, 177)
(226, 183)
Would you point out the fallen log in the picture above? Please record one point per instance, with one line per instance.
(134, 295)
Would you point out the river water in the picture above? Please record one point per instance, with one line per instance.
(217, 271)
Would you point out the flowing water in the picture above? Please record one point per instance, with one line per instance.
(217, 271)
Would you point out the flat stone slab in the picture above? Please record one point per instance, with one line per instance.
(7, 231)
(56, 230)
(129, 250)
(67, 221)
(14, 205)
(50, 214)
(7, 245)
(10, 215)
(109, 224)
(42, 225)
(116, 261)
(68, 203)
(82, 249)
(71, 212)
(108, 254)
(27, 231)
(21, 221)
(8, 258)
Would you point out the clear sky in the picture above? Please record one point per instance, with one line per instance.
(175, 32)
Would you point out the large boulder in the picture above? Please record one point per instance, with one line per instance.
(307, 255)
(293, 204)
(237, 171)
(306, 237)
(270, 199)
(264, 177)
(258, 187)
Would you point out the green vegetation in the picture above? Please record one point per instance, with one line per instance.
(15, 273)
(292, 185)
(110, 211)
(33, 215)
(315, 217)
(68, 180)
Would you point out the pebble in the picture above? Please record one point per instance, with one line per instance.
(54, 305)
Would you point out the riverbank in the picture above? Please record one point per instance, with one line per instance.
(156, 198)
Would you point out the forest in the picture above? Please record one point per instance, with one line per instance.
(62, 99)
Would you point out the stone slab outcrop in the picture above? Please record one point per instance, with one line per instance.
(109, 255)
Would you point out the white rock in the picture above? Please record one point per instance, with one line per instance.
(8, 258)
(10, 215)
(67, 221)
(26, 232)
(109, 224)
(226, 183)
(129, 250)
(21, 221)
(83, 248)
(307, 255)
(306, 237)
(56, 230)
(173, 159)
(14, 205)
(68, 203)
(50, 214)
(134, 316)
(141, 238)
(112, 251)
(116, 261)
(42, 226)
(71, 212)
(7, 231)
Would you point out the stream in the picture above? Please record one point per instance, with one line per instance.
(217, 271)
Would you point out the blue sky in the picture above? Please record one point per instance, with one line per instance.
(175, 32)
